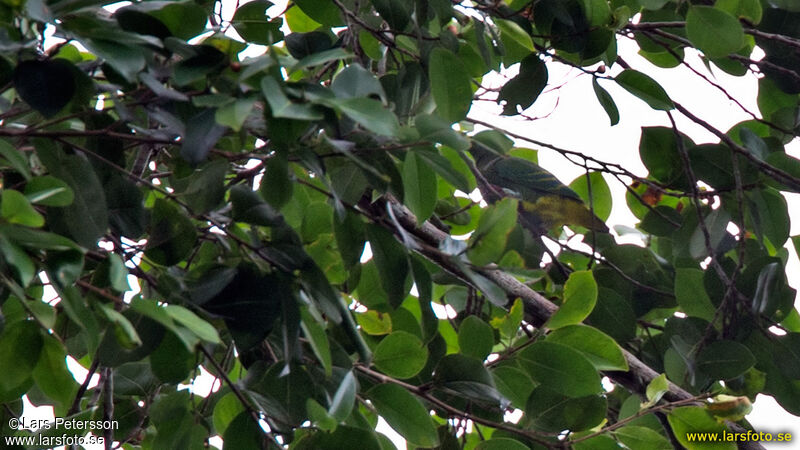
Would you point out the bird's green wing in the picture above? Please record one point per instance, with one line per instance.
(527, 179)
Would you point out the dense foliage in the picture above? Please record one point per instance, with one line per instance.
(170, 206)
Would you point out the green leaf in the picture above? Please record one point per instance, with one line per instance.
(435, 129)
(475, 338)
(400, 355)
(467, 377)
(656, 389)
(601, 194)
(513, 384)
(606, 101)
(20, 347)
(375, 323)
(396, 14)
(227, 408)
(242, 432)
(501, 444)
(194, 323)
(276, 185)
(767, 297)
(124, 330)
(128, 60)
(171, 361)
(580, 296)
(642, 438)
(356, 81)
(234, 113)
(16, 159)
(323, 11)
(344, 398)
(319, 415)
(23, 267)
(303, 45)
(51, 374)
(405, 414)
(317, 338)
(202, 133)
(646, 88)
(596, 346)
(419, 186)
(86, 218)
(451, 86)
(691, 294)
(551, 411)
(47, 190)
(715, 32)
(521, 91)
(652, 4)
(695, 419)
(15, 208)
(370, 114)
(517, 43)
(172, 234)
(561, 369)
(724, 360)
(488, 242)
(391, 259)
(47, 85)
(717, 224)
(281, 106)
(444, 168)
(613, 315)
(250, 21)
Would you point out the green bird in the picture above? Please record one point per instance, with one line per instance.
(545, 202)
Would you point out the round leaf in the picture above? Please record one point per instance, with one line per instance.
(561, 369)
(401, 355)
(714, 31)
(475, 337)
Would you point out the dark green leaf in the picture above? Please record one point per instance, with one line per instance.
(724, 360)
(405, 414)
(47, 190)
(20, 347)
(694, 419)
(392, 263)
(522, 90)
(202, 133)
(301, 45)
(451, 85)
(475, 338)
(596, 346)
(561, 369)
(552, 411)
(250, 21)
(646, 88)
(642, 438)
(714, 31)
(501, 444)
(419, 186)
(606, 101)
(691, 294)
(172, 234)
(396, 14)
(46, 85)
(242, 432)
(344, 398)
